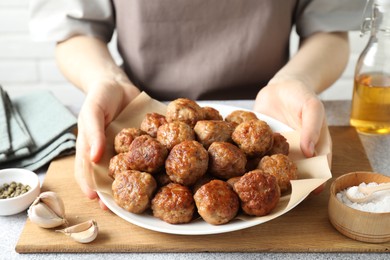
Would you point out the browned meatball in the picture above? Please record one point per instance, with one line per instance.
(125, 137)
(187, 162)
(280, 145)
(282, 167)
(254, 137)
(209, 131)
(151, 122)
(185, 110)
(174, 133)
(226, 160)
(259, 192)
(211, 113)
(146, 154)
(133, 190)
(217, 203)
(239, 116)
(117, 164)
(174, 204)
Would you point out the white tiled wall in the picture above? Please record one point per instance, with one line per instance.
(26, 65)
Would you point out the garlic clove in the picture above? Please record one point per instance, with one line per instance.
(40, 214)
(54, 202)
(47, 210)
(83, 233)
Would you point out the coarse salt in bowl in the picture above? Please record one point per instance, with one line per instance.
(360, 225)
(11, 206)
(378, 202)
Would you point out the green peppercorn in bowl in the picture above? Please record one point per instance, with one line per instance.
(18, 189)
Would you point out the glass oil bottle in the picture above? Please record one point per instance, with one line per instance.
(370, 112)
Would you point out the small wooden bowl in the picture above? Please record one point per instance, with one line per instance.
(356, 224)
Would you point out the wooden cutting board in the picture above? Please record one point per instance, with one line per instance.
(306, 228)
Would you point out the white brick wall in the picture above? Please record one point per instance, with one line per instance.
(26, 65)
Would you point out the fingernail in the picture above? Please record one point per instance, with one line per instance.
(92, 152)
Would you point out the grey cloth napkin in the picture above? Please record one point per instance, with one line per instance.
(34, 129)
(10, 121)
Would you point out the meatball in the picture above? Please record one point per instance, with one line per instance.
(282, 167)
(185, 110)
(187, 162)
(239, 116)
(211, 113)
(151, 122)
(254, 137)
(280, 145)
(226, 160)
(174, 133)
(146, 154)
(117, 164)
(125, 137)
(217, 203)
(174, 204)
(133, 190)
(209, 131)
(259, 192)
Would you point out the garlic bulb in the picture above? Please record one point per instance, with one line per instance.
(83, 233)
(47, 210)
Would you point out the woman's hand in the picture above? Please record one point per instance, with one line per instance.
(291, 95)
(87, 63)
(102, 104)
(295, 104)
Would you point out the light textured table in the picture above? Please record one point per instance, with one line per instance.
(377, 148)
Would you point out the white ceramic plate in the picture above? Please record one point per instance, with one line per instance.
(198, 227)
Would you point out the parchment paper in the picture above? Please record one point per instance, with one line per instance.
(312, 172)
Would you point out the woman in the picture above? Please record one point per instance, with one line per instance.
(198, 49)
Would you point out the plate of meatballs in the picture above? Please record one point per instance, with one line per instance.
(200, 170)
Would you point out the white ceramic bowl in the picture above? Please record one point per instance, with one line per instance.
(20, 203)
